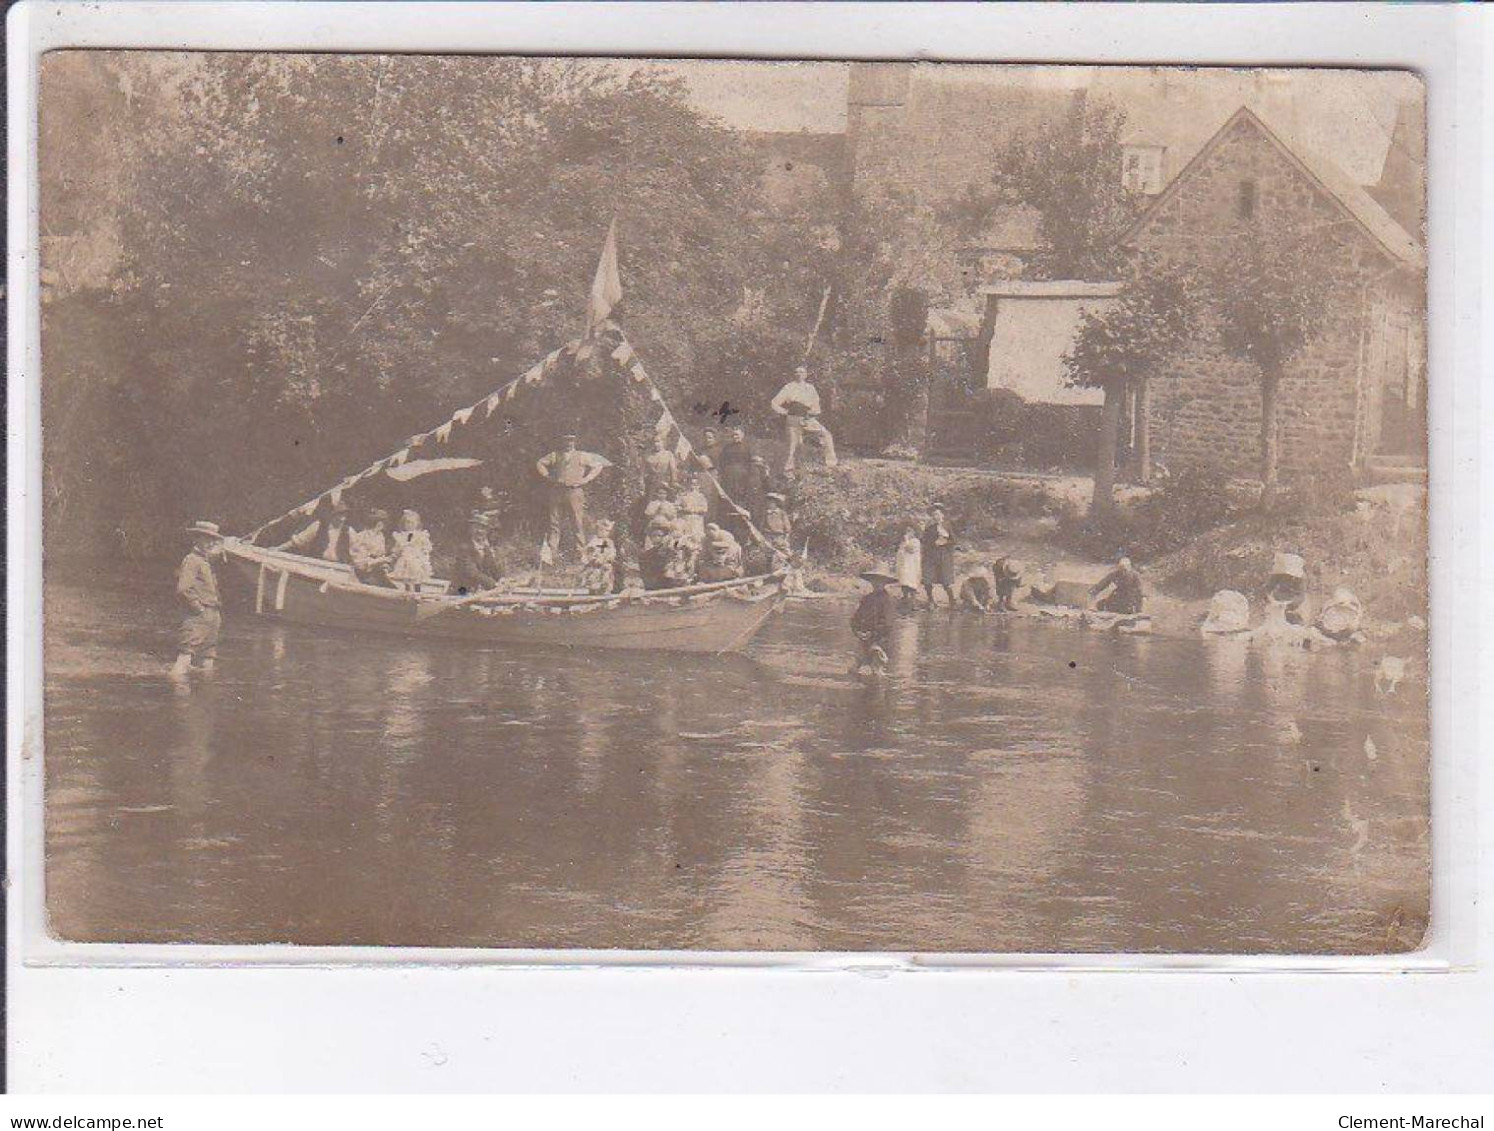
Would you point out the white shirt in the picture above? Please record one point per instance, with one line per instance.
(800, 393)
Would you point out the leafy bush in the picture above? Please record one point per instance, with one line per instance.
(1176, 512)
(856, 515)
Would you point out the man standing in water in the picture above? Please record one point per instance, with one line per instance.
(871, 623)
(197, 588)
(568, 471)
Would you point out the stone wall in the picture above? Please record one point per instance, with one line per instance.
(1209, 411)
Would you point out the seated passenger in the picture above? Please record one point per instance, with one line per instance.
(325, 538)
(664, 562)
(599, 562)
(368, 549)
(721, 557)
(475, 568)
(411, 565)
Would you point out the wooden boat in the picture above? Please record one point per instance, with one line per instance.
(709, 618)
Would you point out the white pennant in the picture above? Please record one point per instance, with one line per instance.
(462, 416)
(309, 508)
(494, 398)
(639, 375)
(399, 457)
(682, 449)
(623, 354)
(443, 433)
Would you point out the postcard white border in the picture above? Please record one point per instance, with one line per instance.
(1440, 42)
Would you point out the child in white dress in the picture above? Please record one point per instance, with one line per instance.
(411, 556)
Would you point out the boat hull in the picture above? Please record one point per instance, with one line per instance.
(302, 592)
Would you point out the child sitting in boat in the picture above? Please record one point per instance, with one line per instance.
(721, 557)
(693, 507)
(411, 555)
(599, 563)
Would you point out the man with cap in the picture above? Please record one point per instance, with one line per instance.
(798, 402)
(566, 473)
(197, 589)
(661, 469)
(475, 567)
(325, 538)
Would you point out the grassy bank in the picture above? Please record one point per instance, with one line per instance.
(1191, 538)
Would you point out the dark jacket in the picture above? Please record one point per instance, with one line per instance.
(872, 620)
(473, 570)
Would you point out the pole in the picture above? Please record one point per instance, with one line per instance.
(818, 322)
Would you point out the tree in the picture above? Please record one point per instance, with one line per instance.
(1071, 176)
(1269, 295)
(1119, 348)
(271, 269)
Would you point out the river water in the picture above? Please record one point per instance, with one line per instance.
(1012, 785)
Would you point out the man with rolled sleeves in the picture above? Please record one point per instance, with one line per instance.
(197, 588)
(567, 471)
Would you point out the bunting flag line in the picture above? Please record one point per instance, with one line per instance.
(628, 362)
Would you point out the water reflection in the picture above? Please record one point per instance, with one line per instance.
(1008, 785)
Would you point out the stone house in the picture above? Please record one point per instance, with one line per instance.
(1353, 399)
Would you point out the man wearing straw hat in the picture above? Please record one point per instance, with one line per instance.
(197, 588)
(871, 623)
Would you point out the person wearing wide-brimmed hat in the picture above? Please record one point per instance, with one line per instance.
(871, 623)
(567, 471)
(1286, 587)
(197, 588)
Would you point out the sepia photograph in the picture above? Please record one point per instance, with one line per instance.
(724, 505)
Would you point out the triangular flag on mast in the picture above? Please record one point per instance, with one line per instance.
(606, 287)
